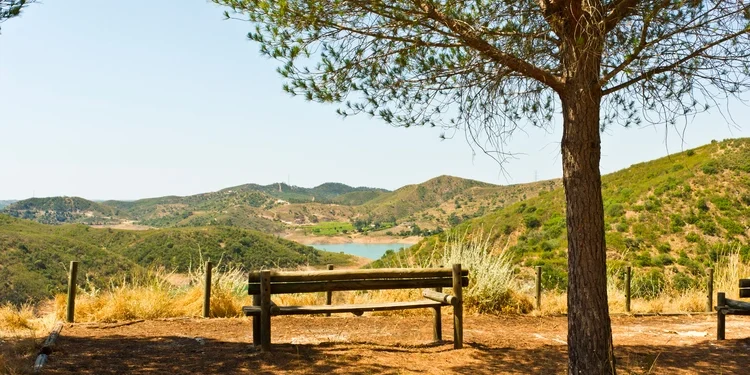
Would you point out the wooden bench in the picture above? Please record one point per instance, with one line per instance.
(725, 306)
(263, 284)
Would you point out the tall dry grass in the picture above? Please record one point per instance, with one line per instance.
(21, 332)
(727, 273)
(492, 283)
(153, 295)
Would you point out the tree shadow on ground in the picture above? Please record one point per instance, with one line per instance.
(708, 357)
(187, 355)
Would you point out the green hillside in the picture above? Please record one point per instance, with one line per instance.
(679, 213)
(33, 257)
(56, 210)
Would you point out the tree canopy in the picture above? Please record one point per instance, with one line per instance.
(12, 8)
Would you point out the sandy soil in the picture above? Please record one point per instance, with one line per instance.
(354, 238)
(394, 345)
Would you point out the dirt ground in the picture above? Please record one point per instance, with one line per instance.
(344, 344)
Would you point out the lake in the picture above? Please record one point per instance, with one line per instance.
(368, 250)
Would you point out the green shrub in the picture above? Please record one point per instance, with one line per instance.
(682, 282)
(692, 237)
(615, 210)
(708, 226)
(648, 285)
(732, 227)
(690, 153)
(554, 277)
(664, 247)
(722, 203)
(711, 167)
(531, 222)
(662, 260)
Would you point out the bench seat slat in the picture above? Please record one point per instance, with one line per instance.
(322, 309)
(341, 285)
(359, 274)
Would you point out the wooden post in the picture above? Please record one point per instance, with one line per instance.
(265, 311)
(329, 294)
(628, 275)
(207, 291)
(538, 287)
(72, 277)
(437, 328)
(458, 309)
(256, 322)
(710, 287)
(721, 301)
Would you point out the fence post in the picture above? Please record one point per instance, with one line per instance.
(458, 309)
(710, 296)
(538, 287)
(329, 294)
(721, 301)
(628, 275)
(72, 277)
(207, 291)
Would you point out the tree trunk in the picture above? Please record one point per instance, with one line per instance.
(590, 348)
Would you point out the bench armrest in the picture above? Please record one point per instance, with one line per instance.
(440, 297)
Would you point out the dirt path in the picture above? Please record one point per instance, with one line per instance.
(394, 345)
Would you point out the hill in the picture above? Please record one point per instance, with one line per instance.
(56, 210)
(33, 257)
(673, 216)
(327, 209)
(6, 203)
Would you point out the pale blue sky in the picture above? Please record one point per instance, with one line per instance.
(124, 100)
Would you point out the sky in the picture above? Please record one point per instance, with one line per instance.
(127, 100)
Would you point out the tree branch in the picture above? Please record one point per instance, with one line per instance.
(675, 64)
(471, 38)
(617, 12)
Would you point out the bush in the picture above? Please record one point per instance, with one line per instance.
(554, 278)
(531, 222)
(648, 285)
(711, 167)
(708, 226)
(682, 282)
(615, 210)
(690, 153)
(692, 237)
(491, 280)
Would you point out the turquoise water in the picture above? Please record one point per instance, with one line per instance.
(367, 250)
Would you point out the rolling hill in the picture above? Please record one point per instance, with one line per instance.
(438, 203)
(56, 210)
(674, 216)
(34, 257)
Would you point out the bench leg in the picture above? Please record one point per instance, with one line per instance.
(256, 322)
(721, 318)
(437, 328)
(265, 311)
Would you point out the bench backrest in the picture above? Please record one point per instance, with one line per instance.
(283, 282)
(744, 288)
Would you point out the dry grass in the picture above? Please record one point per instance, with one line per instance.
(152, 296)
(20, 335)
(728, 271)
